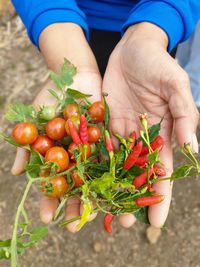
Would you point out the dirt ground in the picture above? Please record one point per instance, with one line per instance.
(22, 73)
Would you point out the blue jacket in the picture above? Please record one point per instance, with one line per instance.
(176, 17)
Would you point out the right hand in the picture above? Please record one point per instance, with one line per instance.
(55, 45)
(86, 82)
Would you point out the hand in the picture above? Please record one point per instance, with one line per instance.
(142, 77)
(55, 45)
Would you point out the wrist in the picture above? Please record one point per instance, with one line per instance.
(147, 31)
(66, 40)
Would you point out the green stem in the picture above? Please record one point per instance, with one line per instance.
(14, 256)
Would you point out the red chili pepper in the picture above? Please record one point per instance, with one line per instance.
(83, 130)
(157, 143)
(73, 132)
(142, 178)
(142, 161)
(109, 143)
(108, 218)
(131, 159)
(149, 200)
(134, 137)
(159, 171)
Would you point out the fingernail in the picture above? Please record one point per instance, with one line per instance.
(195, 145)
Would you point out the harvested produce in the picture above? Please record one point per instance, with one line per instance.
(72, 154)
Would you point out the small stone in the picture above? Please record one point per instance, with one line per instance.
(97, 247)
(153, 234)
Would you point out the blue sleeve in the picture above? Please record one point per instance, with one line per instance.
(38, 14)
(176, 17)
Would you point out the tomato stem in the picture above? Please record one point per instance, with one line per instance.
(20, 209)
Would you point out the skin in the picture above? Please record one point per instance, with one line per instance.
(140, 77)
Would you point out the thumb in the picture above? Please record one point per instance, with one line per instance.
(21, 158)
(185, 114)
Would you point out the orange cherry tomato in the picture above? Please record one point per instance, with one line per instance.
(71, 110)
(42, 144)
(55, 129)
(96, 111)
(58, 155)
(55, 188)
(93, 134)
(76, 179)
(25, 133)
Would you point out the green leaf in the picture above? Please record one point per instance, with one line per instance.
(53, 93)
(154, 131)
(35, 162)
(20, 113)
(9, 140)
(65, 78)
(103, 185)
(119, 157)
(135, 171)
(5, 243)
(142, 215)
(153, 157)
(106, 113)
(101, 147)
(76, 94)
(87, 207)
(38, 233)
(5, 254)
(183, 171)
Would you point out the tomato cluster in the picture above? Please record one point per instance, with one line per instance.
(48, 142)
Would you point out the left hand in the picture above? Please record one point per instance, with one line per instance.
(142, 77)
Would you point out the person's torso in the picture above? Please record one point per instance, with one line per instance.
(107, 14)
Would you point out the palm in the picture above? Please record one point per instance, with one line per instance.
(135, 87)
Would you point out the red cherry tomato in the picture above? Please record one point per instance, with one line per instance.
(93, 134)
(76, 179)
(71, 110)
(96, 111)
(42, 144)
(55, 128)
(73, 146)
(25, 133)
(55, 188)
(58, 155)
(76, 122)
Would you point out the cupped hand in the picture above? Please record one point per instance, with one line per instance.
(88, 82)
(142, 77)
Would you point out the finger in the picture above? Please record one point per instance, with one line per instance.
(72, 211)
(47, 209)
(21, 159)
(93, 215)
(184, 112)
(127, 220)
(158, 213)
